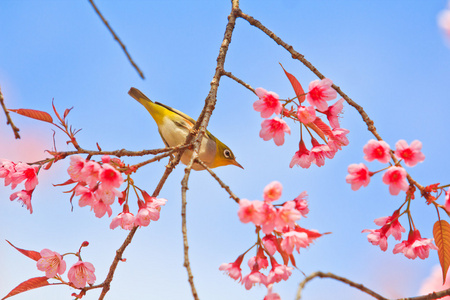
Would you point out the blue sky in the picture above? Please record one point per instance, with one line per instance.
(388, 56)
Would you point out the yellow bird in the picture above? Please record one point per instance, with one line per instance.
(174, 126)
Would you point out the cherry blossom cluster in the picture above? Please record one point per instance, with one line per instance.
(54, 265)
(320, 92)
(97, 185)
(396, 177)
(281, 234)
(16, 173)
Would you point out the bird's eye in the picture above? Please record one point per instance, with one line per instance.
(227, 153)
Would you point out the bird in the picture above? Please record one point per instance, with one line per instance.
(174, 126)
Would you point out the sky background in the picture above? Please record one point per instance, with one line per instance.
(388, 56)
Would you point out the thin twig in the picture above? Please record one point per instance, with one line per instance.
(358, 286)
(117, 39)
(222, 184)
(8, 117)
(246, 85)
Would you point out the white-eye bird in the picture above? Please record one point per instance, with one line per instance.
(174, 126)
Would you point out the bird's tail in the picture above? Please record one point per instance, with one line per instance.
(139, 96)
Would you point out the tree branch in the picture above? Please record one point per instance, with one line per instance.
(8, 117)
(117, 39)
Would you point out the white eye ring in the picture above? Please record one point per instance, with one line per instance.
(227, 153)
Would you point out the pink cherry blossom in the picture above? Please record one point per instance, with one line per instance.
(81, 273)
(377, 238)
(259, 261)
(278, 272)
(378, 150)
(301, 157)
(268, 103)
(249, 211)
(338, 139)
(253, 278)
(107, 194)
(233, 269)
(287, 215)
(24, 197)
(90, 173)
(106, 159)
(270, 295)
(26, 172)
(358, 176)
(294, 240)
(415, 246)
(395, 177)
(125, 219)
(148, 211)
(306, 114)
(301, 204)
(110, 177)
(100, 208)
(319, 152)
(270, 243)
(321, 91)
(268, 217)
(392, 225)
(434, 283)
(333, 113)
(87, 196)
(76, 166)
(51, 263)
(6, 170)
(272, 191)
(274, 128)
(411, 155)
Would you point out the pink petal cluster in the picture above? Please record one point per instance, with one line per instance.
(268, 103)
(15, 174)
(149, 211)
(282, 234)
(333, 113)
(51, 263)
(395, 177)
(274, 128)
(378, 150)
(415, 246)
(272, 191)
(390, 226)
(125, 219)
(81, 273)
(411, 155)
(301, 157)
(321, 91)
(358, 176)
(96, 183)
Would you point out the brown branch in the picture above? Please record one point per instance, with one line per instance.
(117, 39)
(358, 286)
(200, 126)
(8, 117)
(246, 85)
(222, 184)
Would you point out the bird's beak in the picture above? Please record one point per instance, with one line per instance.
(237, 164)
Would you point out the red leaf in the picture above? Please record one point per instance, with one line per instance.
(30, 253)
(441, 233)
(296, 85)
(292, 260)
(34, 114)
(283, 253)
(30, 284)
